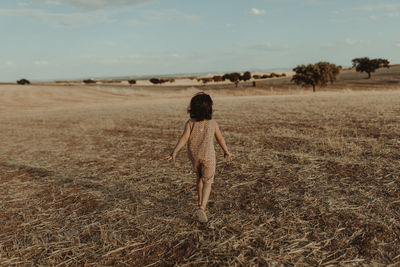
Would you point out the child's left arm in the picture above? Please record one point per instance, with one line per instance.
(182, 141)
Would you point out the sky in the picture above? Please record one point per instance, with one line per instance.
(74, 39)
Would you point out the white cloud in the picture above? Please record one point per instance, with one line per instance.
(350, 42)
(394, 15)
(168, 15)
(60, 19)
(94, 4)
(257, 12)
(377, 7)
(373, 17)
(41, 62)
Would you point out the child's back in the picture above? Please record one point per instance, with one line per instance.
(199, 133)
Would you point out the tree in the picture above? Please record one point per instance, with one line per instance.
(318, 74)
(217, 78)
(233, 77)
(246, 76)
(132, 81)
(89, 81)
(23, 81)
(364, 64)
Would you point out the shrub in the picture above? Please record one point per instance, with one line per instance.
(132, 81)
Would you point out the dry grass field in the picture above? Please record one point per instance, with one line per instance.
(83, 179)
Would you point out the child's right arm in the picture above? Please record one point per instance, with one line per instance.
(182, 141)
(221, 142)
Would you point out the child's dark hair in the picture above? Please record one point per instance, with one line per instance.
(201, 107)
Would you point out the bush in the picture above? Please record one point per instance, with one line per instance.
(155, 81)
(132, 81)
(89, 81)
(23, 81)
(256, 76)
(217, 78)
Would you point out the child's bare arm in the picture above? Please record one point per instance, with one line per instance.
(182, 141)
(221, 142)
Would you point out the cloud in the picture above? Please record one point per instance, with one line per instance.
(376, 8)
(168, 15)
(41, 62)
(350, 42)
(373, 17)
(94, 4)
(60, 19)
(257, 12)
(394, 15)
(10, 63)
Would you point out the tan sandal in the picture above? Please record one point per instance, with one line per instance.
(201, 215)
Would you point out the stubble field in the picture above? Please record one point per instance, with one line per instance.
(83, 180)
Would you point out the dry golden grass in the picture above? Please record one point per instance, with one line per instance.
(83, 178)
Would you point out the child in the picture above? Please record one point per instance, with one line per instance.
(199, 132)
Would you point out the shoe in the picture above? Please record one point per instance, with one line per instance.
(201, 215)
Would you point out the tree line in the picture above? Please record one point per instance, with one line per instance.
(311, 75)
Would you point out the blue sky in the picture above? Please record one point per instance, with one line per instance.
(65, 39)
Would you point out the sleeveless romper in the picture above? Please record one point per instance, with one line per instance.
(201, 148)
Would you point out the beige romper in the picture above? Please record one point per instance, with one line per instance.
(201, 148)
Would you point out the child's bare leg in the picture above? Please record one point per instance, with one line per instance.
(199, 190)
(205, 194)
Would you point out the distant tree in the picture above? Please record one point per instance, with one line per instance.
(132, 81)
(265, 76)
(206, 80)
(246, 76)
(364, 64)
(217, 78)
(88, 81)
(155, 81)
(318, 74)
(23, 81)
(233, 77)
(256, 76)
